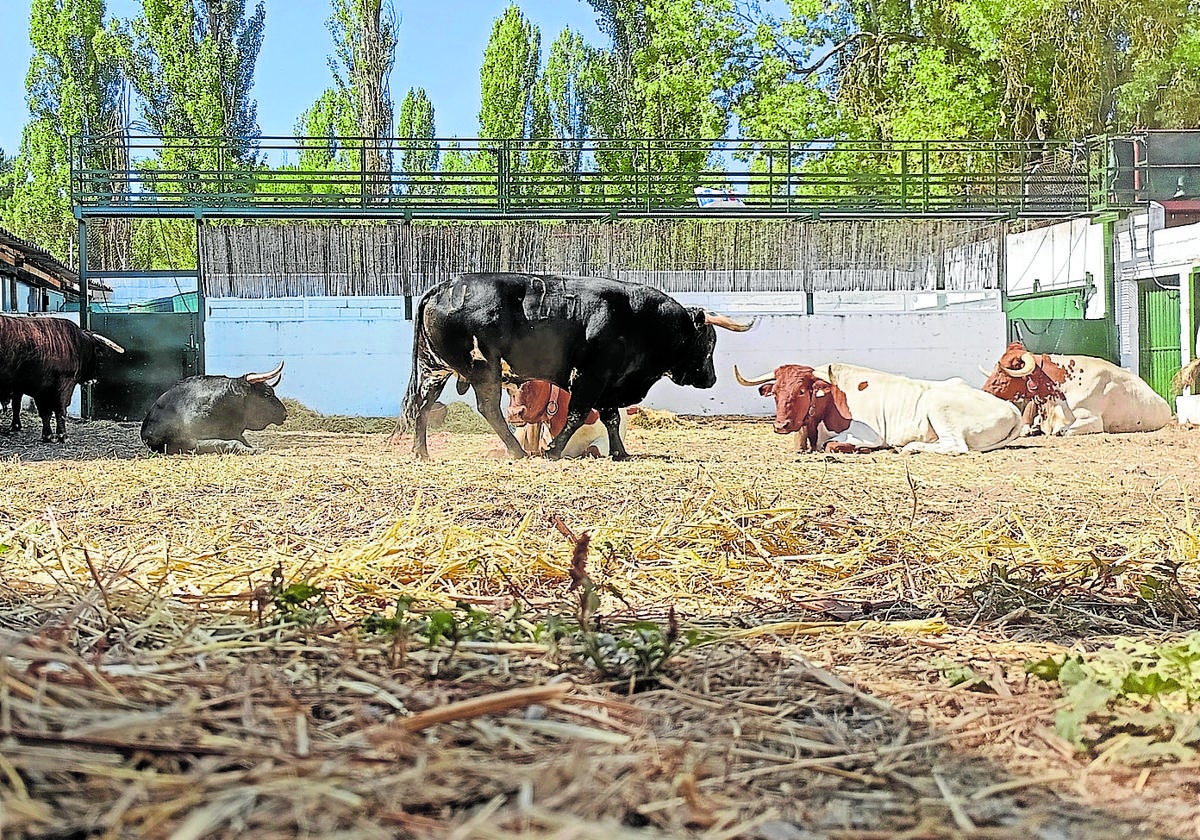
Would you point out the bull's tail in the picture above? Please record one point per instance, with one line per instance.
(411, 407)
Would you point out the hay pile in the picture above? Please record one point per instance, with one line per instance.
(328, 639)
(1186, 377)
(460, 419)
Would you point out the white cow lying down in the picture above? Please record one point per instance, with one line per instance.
(850, 408)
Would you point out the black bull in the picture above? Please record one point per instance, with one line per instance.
(606, 341)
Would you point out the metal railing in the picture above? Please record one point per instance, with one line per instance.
(273, 176)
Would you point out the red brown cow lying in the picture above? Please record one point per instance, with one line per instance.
(1076, 395)
(540, 409)
(815, 409)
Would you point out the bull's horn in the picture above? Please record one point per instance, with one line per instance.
(1027, 365)
(758, 380)
(728, 323)
(111, 344)
(984, 372)
(263, 377)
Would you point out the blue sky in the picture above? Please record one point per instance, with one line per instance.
(440, 48)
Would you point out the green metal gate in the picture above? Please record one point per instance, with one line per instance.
(160, 349)
(1158, 336)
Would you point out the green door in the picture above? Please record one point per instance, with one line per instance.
(160, 349)
(1158, 337)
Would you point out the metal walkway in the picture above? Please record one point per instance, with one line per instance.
(524, 179)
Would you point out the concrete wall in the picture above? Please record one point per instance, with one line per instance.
(345, 355)
(353, 355)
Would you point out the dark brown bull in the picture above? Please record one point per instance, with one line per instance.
(46, 358)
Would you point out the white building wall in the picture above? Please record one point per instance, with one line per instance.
(1057, 257)
(352, 355)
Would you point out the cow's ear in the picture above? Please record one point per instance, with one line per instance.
(767, 390)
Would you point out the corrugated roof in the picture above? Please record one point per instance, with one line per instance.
(50, 273)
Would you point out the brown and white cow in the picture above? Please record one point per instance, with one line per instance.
(859, 409)
(1076, 395)
(539, 409)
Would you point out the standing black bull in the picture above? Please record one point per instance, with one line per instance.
(606, 341)
(46, 358)
(212, 413)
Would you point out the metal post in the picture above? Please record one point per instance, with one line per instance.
(201, 308)
(362, 171)
(85, 320)
(787, 189)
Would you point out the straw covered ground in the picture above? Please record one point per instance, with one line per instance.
(716, 639)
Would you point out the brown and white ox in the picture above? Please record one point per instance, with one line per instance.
(1076, 395)
(846, 408)
(539, 409)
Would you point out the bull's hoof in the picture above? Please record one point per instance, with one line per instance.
(620, 456)
(551, 455)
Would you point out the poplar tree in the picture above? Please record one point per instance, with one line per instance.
(508, 88)
(192, 63)
(74, 87)
(416, 125)
(352, 120)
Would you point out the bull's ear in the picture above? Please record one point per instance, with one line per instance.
(767, 390)
(698, 315)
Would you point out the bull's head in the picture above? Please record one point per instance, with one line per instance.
(802, 400)
(1021, 376)
(695, 367)
(1010, 378)
(262, 407)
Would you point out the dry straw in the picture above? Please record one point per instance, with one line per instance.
(148, 687)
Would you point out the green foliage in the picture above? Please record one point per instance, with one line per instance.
(359, 104)
(1019, 69)
(661, 80)
(956, 673)
(507, 76)
(417, 123)
(1136, 701)
(192, 62)
(74, 85)
(299, 603)
(446, 629)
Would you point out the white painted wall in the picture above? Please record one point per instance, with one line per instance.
(1057, 257)
(138, 289)
(345, 355)
(353, 355)
(926, 345)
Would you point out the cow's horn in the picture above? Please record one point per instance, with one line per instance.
(728, 323)
(758, 380)
(263, 377)
(112, 344)
(1026, 368)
